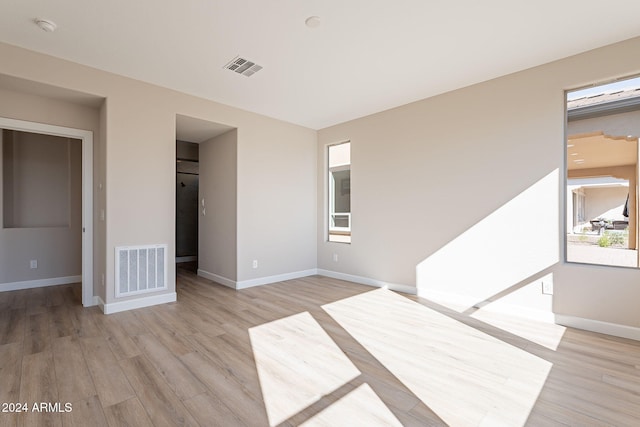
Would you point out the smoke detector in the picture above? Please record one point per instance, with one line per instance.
(243, 66)
(46, 25)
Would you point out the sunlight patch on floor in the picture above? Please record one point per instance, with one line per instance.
(298, 363)
(465, 376)
(361, 407)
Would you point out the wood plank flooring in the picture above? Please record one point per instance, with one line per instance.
(312, 351)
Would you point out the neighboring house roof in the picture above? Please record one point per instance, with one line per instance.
(603, 98)
(604, 103)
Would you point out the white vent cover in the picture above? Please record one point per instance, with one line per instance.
(140, 269)
(243, 66)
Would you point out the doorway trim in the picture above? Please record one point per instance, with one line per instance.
(87, 190)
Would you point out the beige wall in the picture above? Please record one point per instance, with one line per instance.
(39, 171)
(217, 228)
(276, 199)
(463, 163)
(276, 168)
(477, 178)
(57, 249)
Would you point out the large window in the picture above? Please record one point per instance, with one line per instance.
(339, 193)
(602, 174)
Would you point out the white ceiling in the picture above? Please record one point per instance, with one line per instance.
(366, 56)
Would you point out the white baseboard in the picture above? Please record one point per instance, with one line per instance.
(115, 307)
(614, 329)
(368, 281)
(243, 284)
(216, 278)
(28, 284)
(180, 259)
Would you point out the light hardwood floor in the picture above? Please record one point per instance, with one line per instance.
(313, 351)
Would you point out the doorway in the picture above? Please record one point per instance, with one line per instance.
(86, 138)
(187, 184)
(193, 242)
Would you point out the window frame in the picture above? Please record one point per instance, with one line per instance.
(592, 112)
(329, 212)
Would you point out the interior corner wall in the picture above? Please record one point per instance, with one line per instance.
(276, 200)
(19, 245)
(217, 224)
(461, 194)
(276, 210)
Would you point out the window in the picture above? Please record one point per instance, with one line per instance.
(603, 125)
(339, 193)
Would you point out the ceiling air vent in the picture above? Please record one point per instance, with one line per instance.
(243, 66)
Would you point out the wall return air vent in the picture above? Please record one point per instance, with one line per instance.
(243, 66)
(140, 269)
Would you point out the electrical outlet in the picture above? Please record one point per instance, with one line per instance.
(547, 288)
(335, 257)
(33, 264)
(255, 263)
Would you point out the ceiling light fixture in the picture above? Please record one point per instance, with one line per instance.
(312, 22)
(46, 25)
